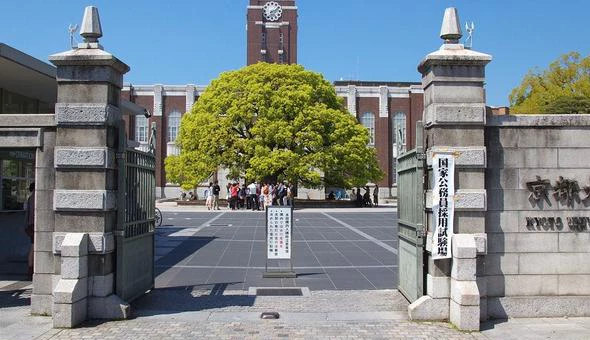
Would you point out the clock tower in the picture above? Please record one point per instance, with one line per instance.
(272, 31)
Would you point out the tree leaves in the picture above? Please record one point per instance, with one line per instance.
(564, 88)
(273, 121)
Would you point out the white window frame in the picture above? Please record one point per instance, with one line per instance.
(141, 129)
(173, 125)
(368, 121)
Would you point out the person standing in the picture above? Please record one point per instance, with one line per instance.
(216, 190)
(376, 195)
(30, 226)
(234, 191)
(209, 196)
(253, 198)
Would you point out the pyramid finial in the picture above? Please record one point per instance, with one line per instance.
(450, 30)
(91, 29)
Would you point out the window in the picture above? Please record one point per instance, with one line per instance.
(141, 129)
(368, 121)
(17, 171)
(399, 135)
(173, 125)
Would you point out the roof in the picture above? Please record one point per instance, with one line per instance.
(375, 83)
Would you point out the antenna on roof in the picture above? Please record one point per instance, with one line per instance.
(469, 29)
(72, 30)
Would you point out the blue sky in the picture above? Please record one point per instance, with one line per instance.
(192, 41)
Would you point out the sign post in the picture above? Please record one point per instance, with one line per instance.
(279, 245)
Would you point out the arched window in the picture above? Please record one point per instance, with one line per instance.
(173, 125)
(141, 129)
(368, 121)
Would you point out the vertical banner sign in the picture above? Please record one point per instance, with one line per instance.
(278, 233)
(443, 205)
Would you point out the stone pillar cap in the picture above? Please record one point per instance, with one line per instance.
(450, 30)
(91, 29)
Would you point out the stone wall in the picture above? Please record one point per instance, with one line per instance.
(538, 247)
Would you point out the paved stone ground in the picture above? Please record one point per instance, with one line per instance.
(191, 307)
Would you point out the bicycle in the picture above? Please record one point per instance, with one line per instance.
(158, 217)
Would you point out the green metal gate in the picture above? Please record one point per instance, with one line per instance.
(135, 229)
(411, 217)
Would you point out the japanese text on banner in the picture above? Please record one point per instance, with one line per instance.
(443, 204)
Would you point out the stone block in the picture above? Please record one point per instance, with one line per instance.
(522, 243)
(464, 246)
(465, 157)
(98, 243)
(21, 138)
(501, 264)
(44, 179)
(574, 158)
(554, 263)
(44, 284)
(562, 137)
(522, 285)
(465, 293)
(86, 221)
(99, 265)
(97, 137)
(461, 102)
(438, 287)
(70, 291)
(529, 158)
(457, 136)
(91, 179)
(44, 262)
(427, 308)
(101, 286)
(464, 269)
(41, 304)
(482, 285)
(469, 222)
(539, 307)
(439, 268)
(74, 267)
(517, 200)
(501, 221)
(470, 178)
(74, 245)
(89, 74)
(76, 200)
(574, 242)
(499, 178)
(504, 137)
(69, 315)
(93, 94)
(45, 219)
(110, 307)
(43, 241)
(570, 285)
(43, 199)
(481, 243)
(84, 158)
(465, 318)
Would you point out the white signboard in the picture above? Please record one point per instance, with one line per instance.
(279, 222)
(443, 204)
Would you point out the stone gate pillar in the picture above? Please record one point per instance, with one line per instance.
(88, 121)
(454, 119)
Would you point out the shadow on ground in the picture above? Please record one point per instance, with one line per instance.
(188, 299)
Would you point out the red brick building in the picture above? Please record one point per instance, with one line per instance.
(389, 110)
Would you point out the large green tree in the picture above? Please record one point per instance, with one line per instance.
(564, 88)
(269, 121)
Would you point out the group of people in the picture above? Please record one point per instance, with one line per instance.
(365, 199)
(255, 196)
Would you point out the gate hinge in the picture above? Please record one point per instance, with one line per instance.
(420, 156)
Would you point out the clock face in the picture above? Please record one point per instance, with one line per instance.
(272, 11)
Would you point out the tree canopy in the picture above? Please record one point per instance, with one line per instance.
(564, 88)
(278, 122)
